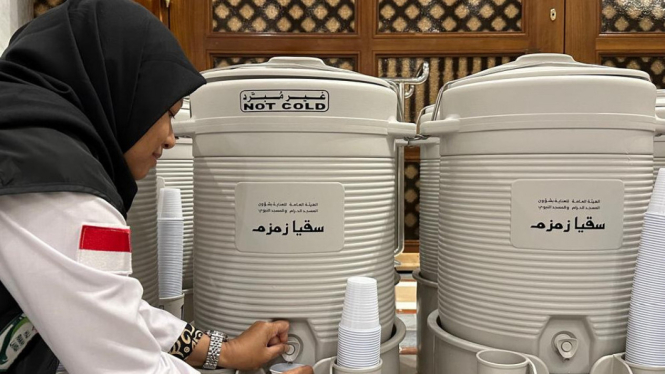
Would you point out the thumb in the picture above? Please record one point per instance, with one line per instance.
(276, 350)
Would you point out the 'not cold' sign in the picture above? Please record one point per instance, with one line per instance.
(284, 101)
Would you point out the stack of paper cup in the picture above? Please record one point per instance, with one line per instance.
(170, 227)
(645, 343)
(359, 330)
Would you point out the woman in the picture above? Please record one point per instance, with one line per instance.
(87, 92)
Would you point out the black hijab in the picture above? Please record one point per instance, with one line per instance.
(79, 86)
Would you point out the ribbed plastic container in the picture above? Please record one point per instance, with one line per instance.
(429, 201)
(291, 203)
(176, 166)
(142, 219)
(542, 201)
(659, 141)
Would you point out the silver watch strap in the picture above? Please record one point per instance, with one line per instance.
(214, 349)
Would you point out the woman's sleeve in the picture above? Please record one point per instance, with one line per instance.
(94, 320)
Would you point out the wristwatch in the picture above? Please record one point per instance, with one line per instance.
(215, 348)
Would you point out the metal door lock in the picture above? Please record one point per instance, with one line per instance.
(553, 14)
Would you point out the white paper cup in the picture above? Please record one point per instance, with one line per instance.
(645, 341)
(170, 246)
(170, 203)
(358, 348)
(361, 305)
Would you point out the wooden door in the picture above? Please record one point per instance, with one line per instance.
(621, 33)
(387, 38)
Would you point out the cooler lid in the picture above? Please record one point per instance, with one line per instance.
(545, 64)
(290, 67)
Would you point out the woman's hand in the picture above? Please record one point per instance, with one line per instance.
(260, 343)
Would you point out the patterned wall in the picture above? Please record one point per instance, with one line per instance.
(654, 65)
(449, 15)
(348, 63)
(632, 16)
(411, 200)
(442, 70)
(309, 16)
(41, 6)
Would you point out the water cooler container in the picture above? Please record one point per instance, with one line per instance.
(546, 172)
(142, 219)
(659, 141)
(426, 274)
(295, 184)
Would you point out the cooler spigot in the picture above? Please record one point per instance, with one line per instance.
(566, 345)
(293, 349)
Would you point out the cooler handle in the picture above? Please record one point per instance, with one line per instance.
(185, 128)
(443, 127)
(660, 126)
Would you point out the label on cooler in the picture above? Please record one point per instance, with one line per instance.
(289, 217)
(572, 214)
(284, 101)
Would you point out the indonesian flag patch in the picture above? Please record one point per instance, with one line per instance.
(106, 248)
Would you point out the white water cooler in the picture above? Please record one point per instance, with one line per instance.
(546, 172)
(659, 141)
(426, 274)
(295, 184)
(142, 219)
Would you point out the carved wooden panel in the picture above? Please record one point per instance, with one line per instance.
(431, 16)
(290, 16)
(348, 63)
(654, 65)
(632, 16)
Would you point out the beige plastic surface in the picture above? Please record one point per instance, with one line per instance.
(458, 356)
(427, 301)
(189, 304)
(494, 361)
(174, 305)
(615, 364)
(336, 369)
(142, 219)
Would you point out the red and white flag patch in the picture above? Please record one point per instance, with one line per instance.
(106, 248)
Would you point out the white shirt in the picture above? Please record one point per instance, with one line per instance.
(94, 321)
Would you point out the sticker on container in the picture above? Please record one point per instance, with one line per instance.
(289, 217)
(284, 101)
(567, 214)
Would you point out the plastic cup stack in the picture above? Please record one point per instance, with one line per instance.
(359, 330)
(170, 228)
(645, 344)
